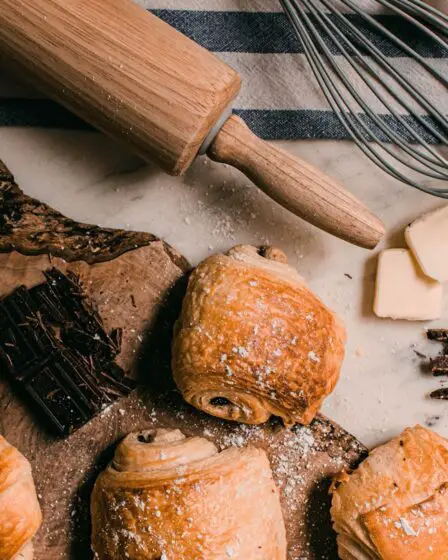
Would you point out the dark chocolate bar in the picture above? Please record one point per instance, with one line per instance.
(54, 347)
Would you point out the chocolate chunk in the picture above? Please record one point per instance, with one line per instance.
(439, 365)
(440, 335)
(54, 347)
(441, 394)
(54, 389)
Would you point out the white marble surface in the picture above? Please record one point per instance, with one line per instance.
(213, 207)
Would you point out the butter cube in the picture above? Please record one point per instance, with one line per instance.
(403, 291)
(427, 238)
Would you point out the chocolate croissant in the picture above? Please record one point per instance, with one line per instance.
(395, 505)
(20, 514)
(254, 341)
(165, 496)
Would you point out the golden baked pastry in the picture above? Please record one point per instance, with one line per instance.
(394, 506)
(165, 496)
(20, 515)
(254, 341)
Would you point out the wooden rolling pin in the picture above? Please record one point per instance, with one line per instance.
(134, 77)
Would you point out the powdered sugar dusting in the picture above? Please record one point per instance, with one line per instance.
(243, 352)
(288, 454)
(313, 357)
(404, 524)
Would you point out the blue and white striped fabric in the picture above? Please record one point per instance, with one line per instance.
(280, 98)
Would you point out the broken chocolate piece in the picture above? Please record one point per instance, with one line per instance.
(439, 365)
(441, 394)
(54, 346)
(440, 335)
(54, 389)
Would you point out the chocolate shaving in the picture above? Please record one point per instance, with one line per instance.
(439, 365)
(55, 349)
(431, 421)
(441, 394)
(420, 355)
(440, 335)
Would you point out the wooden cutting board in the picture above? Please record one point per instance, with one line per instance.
(137, 281)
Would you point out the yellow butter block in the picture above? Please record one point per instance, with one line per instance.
(403, 291)
(427, 238)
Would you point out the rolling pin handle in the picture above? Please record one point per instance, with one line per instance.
(296, 185)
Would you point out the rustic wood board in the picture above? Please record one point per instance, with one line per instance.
(137, 282)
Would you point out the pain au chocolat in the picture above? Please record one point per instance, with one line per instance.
(166, 496)
(394, 506)
(254, 341)
(20, 514)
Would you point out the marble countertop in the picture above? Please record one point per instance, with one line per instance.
(213, 207)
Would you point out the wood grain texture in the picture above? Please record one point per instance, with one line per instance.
(297, 185)
(35, 237)
(36, 228)
(121, 69)
(147, 285)
(65, 470)
(137, 79)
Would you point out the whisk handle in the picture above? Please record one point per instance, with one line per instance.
(296, 185)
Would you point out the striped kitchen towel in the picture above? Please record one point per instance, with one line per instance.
(280, 98)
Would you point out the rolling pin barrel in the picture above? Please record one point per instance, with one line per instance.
(121, 69)
(134, 77)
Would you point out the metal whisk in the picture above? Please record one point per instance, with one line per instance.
(392, 121)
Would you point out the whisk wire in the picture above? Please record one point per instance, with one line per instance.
(394, 39)
(371, 131)
(338, 104)
(423, 10)
(423, 158)
(402, 80)
(357, 98)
